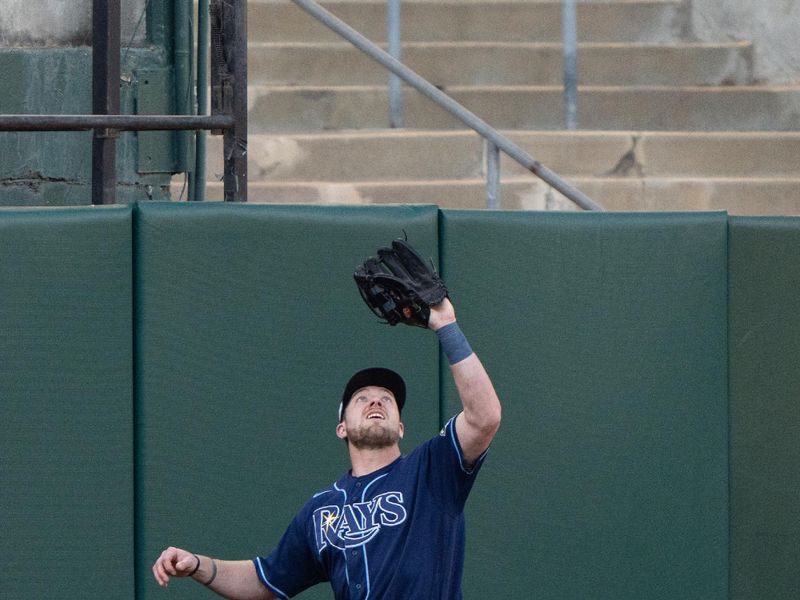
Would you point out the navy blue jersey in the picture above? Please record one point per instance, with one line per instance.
(397, 533)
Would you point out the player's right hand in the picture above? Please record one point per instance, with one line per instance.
(173, 562)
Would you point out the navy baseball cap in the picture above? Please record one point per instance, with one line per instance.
(379, 377)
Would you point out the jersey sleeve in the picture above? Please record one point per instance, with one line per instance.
(448, 477)
(292, 566)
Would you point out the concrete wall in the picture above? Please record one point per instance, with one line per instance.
(772, 25)
(62, 22)
(46, 56)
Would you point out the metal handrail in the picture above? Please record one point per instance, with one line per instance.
(114, 122)
(493, 137)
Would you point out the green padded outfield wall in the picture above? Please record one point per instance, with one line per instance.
(605, 335)
(66, 417)
(765, 408)
(248, 326)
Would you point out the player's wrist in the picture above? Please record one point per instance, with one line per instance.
(453, 342)
(205, 572)
(196, 567)
(441, 315)
(437, 323)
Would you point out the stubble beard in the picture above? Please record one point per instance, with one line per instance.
(373, 436)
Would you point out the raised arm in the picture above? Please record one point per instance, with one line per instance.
(480, 420)
(235, 580)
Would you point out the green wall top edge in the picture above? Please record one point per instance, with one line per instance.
(78, 212)
(769, 222)
(570, 216)
(383, 212)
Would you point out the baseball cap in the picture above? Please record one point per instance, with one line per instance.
(379, 377)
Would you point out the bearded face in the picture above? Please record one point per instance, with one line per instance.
(371, 420)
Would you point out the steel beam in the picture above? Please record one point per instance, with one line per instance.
(229, 89)
(112, 122)
(105, 97)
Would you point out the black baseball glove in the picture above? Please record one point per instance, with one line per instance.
(399, 286)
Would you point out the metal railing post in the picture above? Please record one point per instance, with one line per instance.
(570, 35)
(395, 49)
(236, 137)
(492, 153)
(229, 90)
(182, 47)
(105, 97)
(202, 100)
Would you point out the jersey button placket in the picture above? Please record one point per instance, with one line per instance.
(357, 591)
(358, 573)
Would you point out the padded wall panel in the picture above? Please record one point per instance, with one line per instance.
(249, 324)
(765, 408)
(605, 335)
(66, 419)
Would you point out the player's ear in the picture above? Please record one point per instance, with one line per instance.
(401, 429)
(341, 430)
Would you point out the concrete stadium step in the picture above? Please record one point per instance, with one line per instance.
(506, 63)
(447, 20)
(739, 196)
(698, 108)
(319, 109)
(431, 155)
(626, 170)
(403, 154)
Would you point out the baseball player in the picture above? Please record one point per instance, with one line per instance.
(391, 528)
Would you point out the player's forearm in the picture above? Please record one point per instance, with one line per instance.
(235, 580)
(482, 411)
(480, 420)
